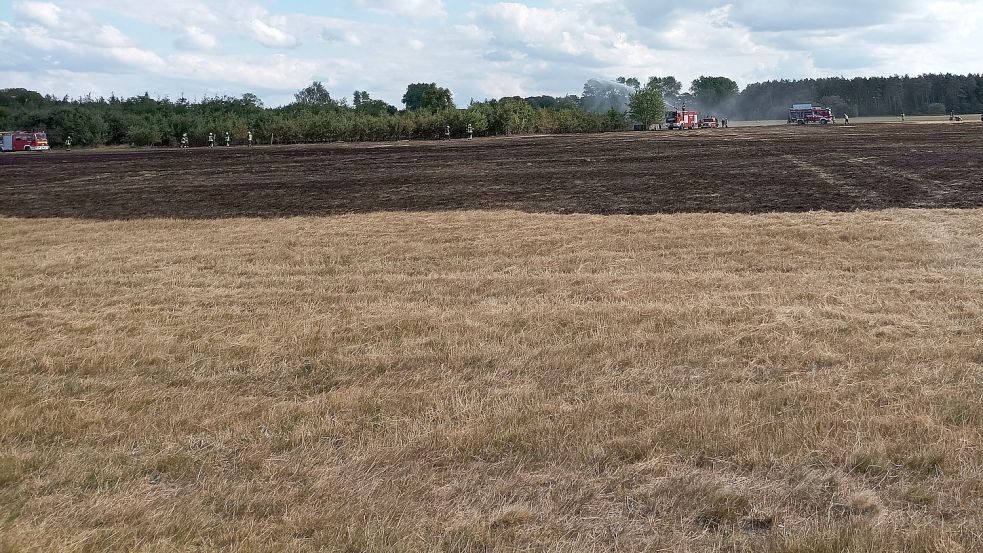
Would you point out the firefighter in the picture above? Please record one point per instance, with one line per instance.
(447, 132)
(470, 132)
(68, 142)
(228, 139)
(211, 140)
(902, 118)
(846, 119)
(250, 137)
(184, 140)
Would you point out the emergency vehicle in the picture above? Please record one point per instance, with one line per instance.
(801, 114)
(709, 122)
(682, 119)
(22, 141)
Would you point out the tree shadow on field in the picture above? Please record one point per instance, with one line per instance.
(727, 171)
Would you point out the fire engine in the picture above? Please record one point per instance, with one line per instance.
(21, 141)
(709, 122)
(808, 113)
(682, 119)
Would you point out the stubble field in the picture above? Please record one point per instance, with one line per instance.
(687, 342)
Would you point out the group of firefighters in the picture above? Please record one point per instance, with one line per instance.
(211, 139)
(185, 143)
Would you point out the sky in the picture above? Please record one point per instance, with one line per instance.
(478, 49)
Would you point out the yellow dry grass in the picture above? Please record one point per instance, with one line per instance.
(493, 381)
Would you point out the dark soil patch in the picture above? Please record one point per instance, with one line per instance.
(739, 170)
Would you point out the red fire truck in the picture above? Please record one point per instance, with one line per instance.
(682, 119)
(22, 141)
(808, 113)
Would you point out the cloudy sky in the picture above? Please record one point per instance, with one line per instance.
(479, 49)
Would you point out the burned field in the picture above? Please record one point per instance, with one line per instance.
(502, 345)
(736, 171)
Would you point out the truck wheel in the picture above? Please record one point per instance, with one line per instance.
(824, 121)
(27, 148)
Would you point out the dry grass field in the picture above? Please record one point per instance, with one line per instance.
(493, 381)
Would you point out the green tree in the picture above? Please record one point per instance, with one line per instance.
(516, 115)
(713, 91)
(427, 96)
(144, 133)
(478, 115)
(249, 100)
(935, 108)
(363, 103)
(670, 87)
(314, 95)
(647, 105)
(630, 81)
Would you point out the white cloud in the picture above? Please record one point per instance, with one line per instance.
(268, 35)
(137, 57)
(417, 9)
(495, 49)
(196, 38)
(76, 27)
(260, 72)
(44, 13)
(109, 36)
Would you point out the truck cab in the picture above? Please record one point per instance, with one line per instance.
(709, 122)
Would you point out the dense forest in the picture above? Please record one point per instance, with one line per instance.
(428, 110)
(870, 96)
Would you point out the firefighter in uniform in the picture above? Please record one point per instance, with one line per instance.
(250, 137)
(470, 131)
(68, 142)
(211, 140)
(184, 140)
(846, 119)
(447, 132)
(228, 139)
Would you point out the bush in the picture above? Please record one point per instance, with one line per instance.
(145, 133)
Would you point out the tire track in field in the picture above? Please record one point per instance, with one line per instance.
(835, 181)
(932, 189)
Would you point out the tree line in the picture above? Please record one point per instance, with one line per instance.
(314, 116)
(428, 109)
(934, 94)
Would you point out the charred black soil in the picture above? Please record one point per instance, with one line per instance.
(746, 170)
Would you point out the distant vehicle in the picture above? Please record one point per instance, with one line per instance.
(709, 122)
(801, 114)
(682, 119)
(22, 141)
